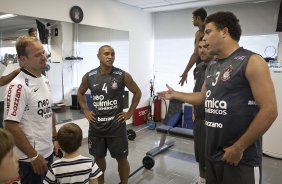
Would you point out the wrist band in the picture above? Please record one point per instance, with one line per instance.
(34, 158)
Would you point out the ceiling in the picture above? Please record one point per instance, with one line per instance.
(168, 5)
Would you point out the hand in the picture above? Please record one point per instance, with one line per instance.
(232, 155)
(169, 94)
(183, 79)
(123, 116)
(90, 116)
(39, 165)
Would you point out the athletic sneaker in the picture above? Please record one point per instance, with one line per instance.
(199, 180)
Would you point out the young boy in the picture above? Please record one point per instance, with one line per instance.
(73, 167)
(9, 166)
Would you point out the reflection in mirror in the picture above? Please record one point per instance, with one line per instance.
(65, 42)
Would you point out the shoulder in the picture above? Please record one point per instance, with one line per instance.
(92, 72)
(118, 71)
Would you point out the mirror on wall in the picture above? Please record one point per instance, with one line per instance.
(72, 49)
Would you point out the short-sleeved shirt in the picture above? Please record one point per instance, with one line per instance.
(28, 101)
(79, 169)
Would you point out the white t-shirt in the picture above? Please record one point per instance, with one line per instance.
(28, 101)
(73, 170)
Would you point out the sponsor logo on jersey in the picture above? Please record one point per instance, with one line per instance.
(9, 97)
(92, 73)
(105, 119)
(214, 106)
(94, 85)
(26, 82)
(252, 102)
(240, 58)
(117, 72)
(114, 83)
(44, 109)
(213, 124)
(17, 99)
(101, 104)
(226, 74)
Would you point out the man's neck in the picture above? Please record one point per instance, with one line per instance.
(228, 49)
(105, 70)
(32, 73)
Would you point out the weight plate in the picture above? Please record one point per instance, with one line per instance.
(148, 162)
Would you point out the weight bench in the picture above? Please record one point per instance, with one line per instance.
(172, 120)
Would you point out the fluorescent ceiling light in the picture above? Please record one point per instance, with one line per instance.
(6, 16)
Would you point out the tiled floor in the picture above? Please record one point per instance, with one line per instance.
(174, 166)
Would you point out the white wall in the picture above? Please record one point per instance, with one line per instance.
(102, 13)
(255, 19)
(174, 34)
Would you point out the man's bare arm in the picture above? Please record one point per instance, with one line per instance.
(133, 88)
(8, 78)
(193, 58)
(82, 100)
(258, 75)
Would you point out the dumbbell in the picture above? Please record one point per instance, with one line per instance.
(148, 162)
(131, 134)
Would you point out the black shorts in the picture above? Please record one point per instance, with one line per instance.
(199, 131)
(222, 173)
(118, 146)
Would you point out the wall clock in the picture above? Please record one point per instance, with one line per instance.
(76, 14)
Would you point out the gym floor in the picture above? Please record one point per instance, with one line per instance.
(175, 166)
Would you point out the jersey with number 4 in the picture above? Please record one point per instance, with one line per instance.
(107, 91)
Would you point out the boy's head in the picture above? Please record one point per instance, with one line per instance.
(70, 137)
(8, 160)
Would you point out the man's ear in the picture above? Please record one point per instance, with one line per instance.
(225, 32)
(22, 60)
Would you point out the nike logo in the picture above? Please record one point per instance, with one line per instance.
(209, 76)
(95, 85)
(125, 151)
(36, 89)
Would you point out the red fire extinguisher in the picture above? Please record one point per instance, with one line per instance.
(157, 108)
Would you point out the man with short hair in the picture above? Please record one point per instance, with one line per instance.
(199, 128)
(198, 19)
(237, 111)
(28, 112)
(107, 128)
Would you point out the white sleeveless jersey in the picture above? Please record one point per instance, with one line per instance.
(28, 101)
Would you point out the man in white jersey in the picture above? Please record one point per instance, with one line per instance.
(28, 112)
(237, 111)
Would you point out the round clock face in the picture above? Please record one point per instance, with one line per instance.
(76, 14)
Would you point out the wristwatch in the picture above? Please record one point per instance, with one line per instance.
(76, 14)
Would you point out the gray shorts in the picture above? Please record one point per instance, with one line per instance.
(118, 146)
